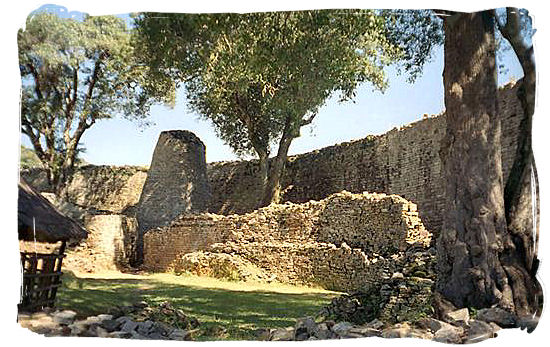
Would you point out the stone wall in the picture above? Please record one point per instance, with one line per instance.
(111, 238)
(403, 161)
(109, 246)
(99, 198)
(105, 188)
(344, 242)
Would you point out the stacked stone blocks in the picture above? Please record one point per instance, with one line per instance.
(344, 242)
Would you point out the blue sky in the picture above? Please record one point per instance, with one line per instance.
(122, 142)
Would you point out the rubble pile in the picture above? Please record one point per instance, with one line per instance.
(458, 327)
(139, 321)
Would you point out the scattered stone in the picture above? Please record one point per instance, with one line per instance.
(101, 332)
(64, 317)
(529, 323)
(421, 334)
(495, 326)
(283, 334)
(442, 306)
(399, 330)
(449, 334)
(430, 323)
(123, 319)
(375, 324)
(104, 317)
(301, 336)
(365, 331)
(179, 335)
(137, 336)
(262, 334)
(106, 325)
(350, 335)
(497, 315)
(162, 328)
(342, 328)
(323, 332)
(144, 327)
(110, 324)
(479, 331)
(460, 317)
(306, 327)
(119, 334)
(129, 326)
(78, 327)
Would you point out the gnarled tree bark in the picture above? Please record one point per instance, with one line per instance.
(479, 264)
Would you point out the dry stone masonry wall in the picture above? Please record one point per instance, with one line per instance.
(344, 242)
(104, 188)
(403, 161)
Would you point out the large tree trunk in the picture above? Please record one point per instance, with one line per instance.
(470, 273)
(479, 264)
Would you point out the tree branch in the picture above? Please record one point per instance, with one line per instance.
(27, 129)
(526, 94)
(82, 120)
(308, 120)
(36, 77)
(69, 114)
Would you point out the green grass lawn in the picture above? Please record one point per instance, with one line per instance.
(240, 307)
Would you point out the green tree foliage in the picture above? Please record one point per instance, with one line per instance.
(74, 73)
(416, 33)
(260, 77)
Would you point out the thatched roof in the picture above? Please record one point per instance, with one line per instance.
(36, 213)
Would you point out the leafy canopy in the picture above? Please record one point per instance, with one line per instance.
(251, 74)
(74, 73)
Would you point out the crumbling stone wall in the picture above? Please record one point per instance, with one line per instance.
(107, 188)
(344, 242)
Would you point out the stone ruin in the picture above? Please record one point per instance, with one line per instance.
(179, 216)
(345, 242)
(354, 243)
(403, 161)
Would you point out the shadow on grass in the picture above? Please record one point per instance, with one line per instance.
(240, 312)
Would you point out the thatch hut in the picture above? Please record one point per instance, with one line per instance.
(40, 222)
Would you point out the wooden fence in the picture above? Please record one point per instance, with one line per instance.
(41, 278)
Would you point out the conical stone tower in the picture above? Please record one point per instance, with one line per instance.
(176, 183)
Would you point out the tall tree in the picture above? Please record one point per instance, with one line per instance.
(260, 77)
(479, 263)
(73, 74)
